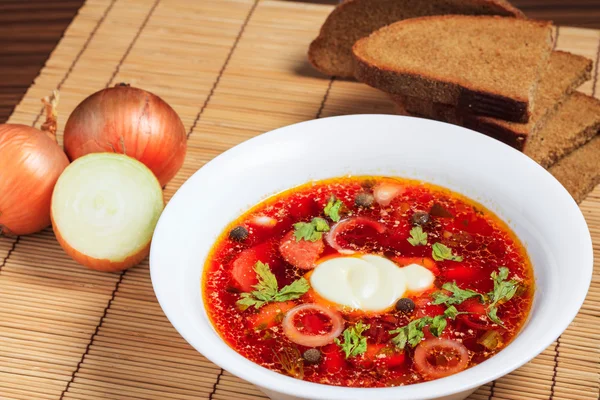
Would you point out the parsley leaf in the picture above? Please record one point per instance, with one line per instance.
(401, 337)
(332, 209)
(418, 237)
(413, 332)
(438, 325)
(503, 291)
(457, 296)
(310, 231)
(354, 342)
(492, 315)
(451, 312)
(267, 289)
(441, 252)
(293, 291)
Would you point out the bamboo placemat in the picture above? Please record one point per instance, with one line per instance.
(232, 69)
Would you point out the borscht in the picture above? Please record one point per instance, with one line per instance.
(368, 282)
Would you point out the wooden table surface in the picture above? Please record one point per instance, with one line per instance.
(30, 29)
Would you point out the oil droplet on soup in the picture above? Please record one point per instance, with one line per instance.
(368, 282)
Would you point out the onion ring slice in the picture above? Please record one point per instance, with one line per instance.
(292, 332)
(349, 224)
(444, 347)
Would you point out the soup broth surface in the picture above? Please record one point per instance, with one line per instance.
(367, 282)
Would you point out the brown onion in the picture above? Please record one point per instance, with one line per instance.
(129, 121)
(30, 163)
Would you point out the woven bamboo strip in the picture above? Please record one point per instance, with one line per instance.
(38, 259)
(183, 72)
(121, 387)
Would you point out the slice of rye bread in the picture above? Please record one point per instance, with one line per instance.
(576, 122)
(579, 172)
(564, 136)
(484, 65)
(331, 51)
(564, 74)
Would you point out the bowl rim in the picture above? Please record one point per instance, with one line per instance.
(274, 381)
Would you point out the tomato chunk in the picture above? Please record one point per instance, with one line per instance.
(466, 274)
(380, 355)
(270, 315)
(424, 307)
(392, 359)
(477, 317)
(333, 358)
(302, 254)
(243, 273)
(426, 262)
(473, 306)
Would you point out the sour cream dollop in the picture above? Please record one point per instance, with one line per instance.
(367, 282)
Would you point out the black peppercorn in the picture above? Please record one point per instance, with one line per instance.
(364, 199)
(312, 356)
(239, 234)
(405, 305)
(420, 218)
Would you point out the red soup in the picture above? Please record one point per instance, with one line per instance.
(368, 282)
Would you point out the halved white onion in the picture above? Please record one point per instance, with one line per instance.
(104, 209)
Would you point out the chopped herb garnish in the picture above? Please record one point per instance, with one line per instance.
(441, 252)
(355, 343)
(438, 325)
(492, 315)
(267, 289)
(503, 291)
(310, 231)
(332, 209)
(456, 296)
(451, 312)
(413, 332)
(417, 236)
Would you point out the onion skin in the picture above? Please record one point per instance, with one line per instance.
(30, 164)
(104, 265)
(130, 121)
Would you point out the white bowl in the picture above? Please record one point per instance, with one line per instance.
(527, 197)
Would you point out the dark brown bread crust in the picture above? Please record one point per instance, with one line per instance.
(500, 133)
(467, 101)
(568, 71)
(331, 51)
(565, 73)
(495, 132)
(579, 172)
(576, 122)
(574, 159)
(465, 96)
